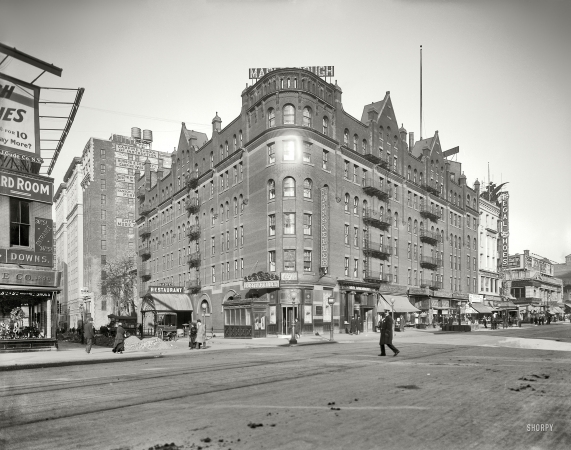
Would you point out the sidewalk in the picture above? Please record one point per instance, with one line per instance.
(74, 354)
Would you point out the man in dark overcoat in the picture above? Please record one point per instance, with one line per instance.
(89, 333)
(118, 345)
(387, 332)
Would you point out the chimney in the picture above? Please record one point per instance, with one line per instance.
(216, 123)
(411, 140)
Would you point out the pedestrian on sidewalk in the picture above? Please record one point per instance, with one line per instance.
(296, 328)
(387, 333)
(119, 344)
(192, 336)
(200, 334)
(89, 333)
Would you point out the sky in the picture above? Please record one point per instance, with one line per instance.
(495, 77)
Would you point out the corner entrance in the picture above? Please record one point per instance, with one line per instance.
(289, 313)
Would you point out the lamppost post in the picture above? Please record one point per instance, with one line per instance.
(393, 311)
(204, 320)
(331, 302)
(293, 340)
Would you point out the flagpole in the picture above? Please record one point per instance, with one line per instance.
(421, 92)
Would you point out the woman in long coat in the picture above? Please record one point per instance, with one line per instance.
(387, 333)
(119, 345)
(200, 334)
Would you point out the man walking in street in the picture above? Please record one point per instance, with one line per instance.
(89, 333)
(387, 332)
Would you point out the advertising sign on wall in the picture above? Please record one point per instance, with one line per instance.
(504, 230)
(130, 164)
(124, 178)
(127, 193)
(44, 233)
(19, 117)
(166, 290)
(28, 257)
(324, 227)
(26, 186)
(29, 277)
(120, 222)
(132, 150)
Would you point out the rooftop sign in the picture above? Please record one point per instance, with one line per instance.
(320, 71)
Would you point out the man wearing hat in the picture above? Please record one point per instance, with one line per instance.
(89, 334)
(387, 334)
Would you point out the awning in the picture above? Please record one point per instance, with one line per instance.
(482, 309)
(171, 302)
(12, 287)
(555, 310)
(401, 304)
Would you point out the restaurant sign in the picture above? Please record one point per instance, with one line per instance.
(26, 186)
(262, 284)
(166, 290)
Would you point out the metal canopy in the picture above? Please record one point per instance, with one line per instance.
(30, 60)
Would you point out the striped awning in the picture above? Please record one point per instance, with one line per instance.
(400, 305)
(482, 309)
(167, 302)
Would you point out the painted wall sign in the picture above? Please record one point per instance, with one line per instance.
(124, 178)
(30, 258)
(26, 186)
(476, 298)
(324, 227)
(127, 193)
(8, 293)
(131, 149)
(130, 164)
(130, 223)
(504, 229)
(44, 235)
(28, 277)
(19, 117)
(288, 277)
(261, 284)
(166, 290)
(321, 71)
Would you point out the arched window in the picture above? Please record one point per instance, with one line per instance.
(226, 147)
(346, 137)
(307, 185)
(325, 125)
(355, 140)
(211, 160)
(221, 153)
(381, 211)
(221, 212)
(356, 205)
(422, 227)
(474, 203)
(235, 206)
(409, 225)
(365, 206)
(235, 141)
(271, 118)
(414, 176)
(306, 117)
(289, 187)
(347, 199)
(281, 83)
(289, 115)
(396, 224)
(475, 244)
(421, 178)
(241, 201)
(415, 227)
(288, 83)
(408, 171)
(364, 147)
(227, 210)
(271, 189)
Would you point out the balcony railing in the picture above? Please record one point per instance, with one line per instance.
(194, 260)
(431, 284)
(375, 250)
(374, 219)
(144, 232)
(371, 276)
(192, 205)
(192, 180)
(370, 187)
(491, 230)
(145, 208)
(145, 272)
(429, 213)
(431, 186)
(430, 237)
(370, 156)
(430, 262)
(145, 253)
(193, 286)
(193, 233)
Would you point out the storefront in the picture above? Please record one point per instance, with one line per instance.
(28, 309)
(246, 318)
(400, 308)
(357, 306)
(165, 310)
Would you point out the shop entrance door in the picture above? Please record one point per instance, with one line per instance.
(368, 326)
(289, 313)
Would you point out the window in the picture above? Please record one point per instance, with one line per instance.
(212, 245)
(103, 199)
(235, 237)
(289, 260)
(346, 169)
(346, 234)
(289, 187)
(289, 151)
(235, 206)
(103, 183)
(289, 115)
(307, 260)
(307, 224)
(396, 248)
(356, 237)
(408, 251)
(103, 214)
(241, 235)
(271, 120)
(306, 117)
(103, 245)
(355, 176)
(325, 157)
(325, 126)
(272, 260)
(415, 227)
(364, 146)
(272, 224)
(241, 168)
(307, 185)
(213, 274)
(306, 152)
(347, 199)
(355, 142)
(396, 222)
(347, 267)
(271, 155)
(289, 223)
(103, 230)
(271, 190)
(102, 168)
(356, 206)
(19, 222)
(355, 268)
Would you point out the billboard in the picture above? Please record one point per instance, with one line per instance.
(19, 117)
(27, 186)
(324, 227)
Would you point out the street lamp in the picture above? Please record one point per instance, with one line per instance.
(331, 301)
(204, 306)
(393, 311)
(293, 340)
